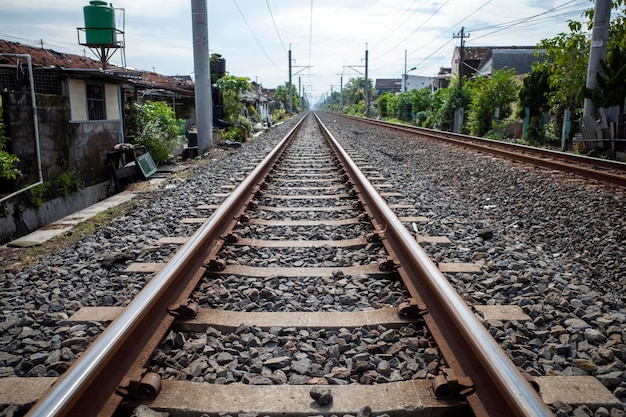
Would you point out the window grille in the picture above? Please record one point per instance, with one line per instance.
(95, 102)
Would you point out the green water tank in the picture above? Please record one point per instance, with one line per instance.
(99, 23)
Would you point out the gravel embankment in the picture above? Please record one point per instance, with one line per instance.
(556, 250)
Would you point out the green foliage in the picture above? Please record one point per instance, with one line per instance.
(444, 103)
(534, 92)
(231, 88)
(239, 133)
(278, 115)
(157, 129)
(611, 81)
(281, 94)
(488, 93)
(567, 61)
(386, 105)
(8, 161)
(354, 95)
(64, 184)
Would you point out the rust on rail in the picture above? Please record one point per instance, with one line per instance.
(498, 388)
(94, 385)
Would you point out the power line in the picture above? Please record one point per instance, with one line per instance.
(395, 25)
(310, 32)
(418, 28)
(510, 24)
(255, 38)
(275, 27)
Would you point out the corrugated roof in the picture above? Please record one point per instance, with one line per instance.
(48, 58)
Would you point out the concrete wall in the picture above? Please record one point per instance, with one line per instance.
(65, 146)
(21, 220)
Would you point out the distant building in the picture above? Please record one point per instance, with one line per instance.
(387, 85)
(485, 60)
(416, 82)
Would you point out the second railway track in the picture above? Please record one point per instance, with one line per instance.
(304, 292)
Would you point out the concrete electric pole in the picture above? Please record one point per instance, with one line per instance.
(202, 78)
(597, 52)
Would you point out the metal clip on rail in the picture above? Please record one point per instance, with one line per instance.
(187, 310)
(231, 238)
(410, 309)
(447, 385)
(145, 389)
(215, 265)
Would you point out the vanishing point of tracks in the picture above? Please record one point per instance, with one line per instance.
(307, 182)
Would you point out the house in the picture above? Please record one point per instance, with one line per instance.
(484, 60)
(416, 82)
(387, 85)
(81, 111)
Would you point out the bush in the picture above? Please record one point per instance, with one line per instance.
(157, 129)
(278, 115)
(8, 161)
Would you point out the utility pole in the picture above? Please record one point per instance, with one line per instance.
(461, 35)
(367, 86)
(202, 78)
(597, 52)
(341, 91)
(289, 87)
(405, 75)
(298, 72)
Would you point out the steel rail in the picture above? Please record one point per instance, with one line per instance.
(541, 157)
(499, 387)
(88, 388)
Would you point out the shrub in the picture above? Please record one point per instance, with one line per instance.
(157, 129)
(8, 161)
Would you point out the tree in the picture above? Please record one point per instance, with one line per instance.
(445, 101)
(386, 104)
(282, 94)
(231, 88)
(497, 91)
(157, 128)
(611, 81)
(354, 95)
(567, 60)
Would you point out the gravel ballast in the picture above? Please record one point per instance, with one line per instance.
(549, 244)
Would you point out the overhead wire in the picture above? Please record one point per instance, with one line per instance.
(395, 25)
(418, 28)
(275, 27)
(255, 37)
(455, 25)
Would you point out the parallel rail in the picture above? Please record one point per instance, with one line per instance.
(603, 170)
(89, 387)
(494, 385)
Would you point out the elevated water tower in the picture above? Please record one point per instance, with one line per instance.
(100, 33)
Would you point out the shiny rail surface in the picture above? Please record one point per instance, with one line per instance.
(603, 170)
(90, 387)
(499, 388)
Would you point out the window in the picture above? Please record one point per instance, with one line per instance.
(95, 102)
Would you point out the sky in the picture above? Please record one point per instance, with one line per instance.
(327, 38)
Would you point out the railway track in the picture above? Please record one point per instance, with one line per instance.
(317, 234)
(602, 170)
